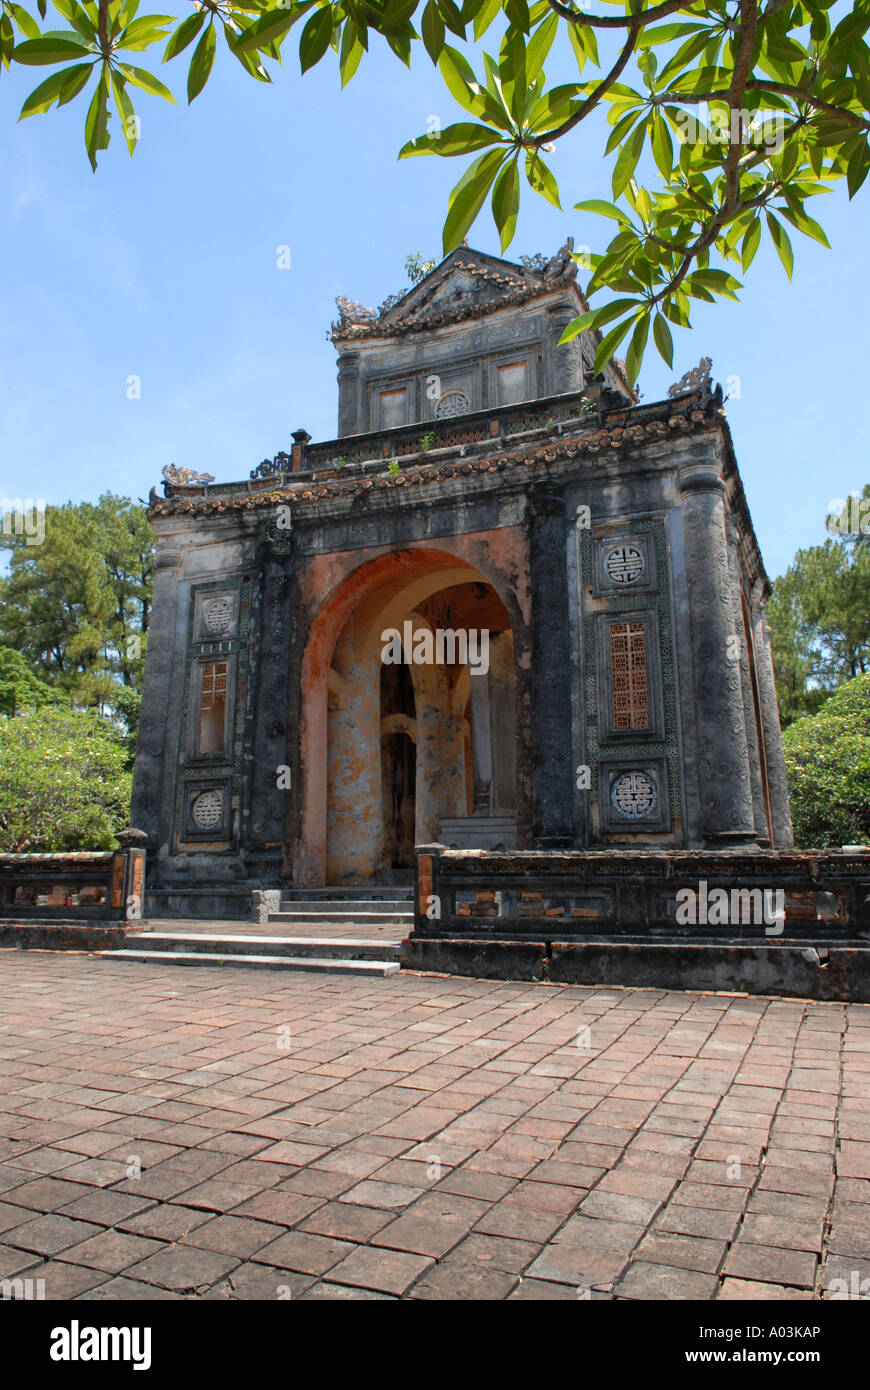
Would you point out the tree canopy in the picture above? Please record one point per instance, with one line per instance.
(77, 606)
(19, 687)
(726, 116)
(827, 756)
(819, 613)
(64, 781)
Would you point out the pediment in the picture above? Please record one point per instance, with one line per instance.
(465, 284)
(466, 279)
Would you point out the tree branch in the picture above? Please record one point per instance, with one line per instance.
(758, 84)
(628, 21)
(105, 42)
(594, 97)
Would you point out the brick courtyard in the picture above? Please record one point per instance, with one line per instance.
(424, 1138)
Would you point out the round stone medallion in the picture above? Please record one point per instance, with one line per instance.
(624, 564)
(633, 795)
(452, 403)
(219, 615)
(207, 810)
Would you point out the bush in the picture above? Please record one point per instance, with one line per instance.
(827, 758)
(64, 784)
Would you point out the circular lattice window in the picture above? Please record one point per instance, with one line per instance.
(207, 810)
(452, 403)
(624, 564)
(633, 795)
(219, 615)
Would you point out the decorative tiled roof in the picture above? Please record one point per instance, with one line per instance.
(331, 484)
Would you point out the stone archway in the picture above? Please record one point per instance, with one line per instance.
(358, 730)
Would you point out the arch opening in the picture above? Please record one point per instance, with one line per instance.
(417, 738)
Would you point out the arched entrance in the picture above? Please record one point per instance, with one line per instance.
(408, 723)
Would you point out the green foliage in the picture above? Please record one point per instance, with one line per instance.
(428, 441)
(418, 268)
(746, 111)
(828, 762)
(77, 607)
(819, 615)
(64, 782)
(19, 687)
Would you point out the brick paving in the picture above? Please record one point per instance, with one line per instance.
(209, 1133)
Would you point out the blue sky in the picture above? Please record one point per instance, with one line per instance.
(165, 267)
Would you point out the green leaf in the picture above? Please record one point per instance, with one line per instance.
(77, 78)
(39, 52)
(781, 242)
(76, 16)
(432, 29)
(468, 196)
(462, 138)
(452, 18)
(662, 146)
(636, 349)
(351, 52)
(662, 339)
(517, 12)
(97, 123)
(506, 203)
(25, 22)
(125, 111)
(542, 179)
(464, 88)
(858, 167)
(596, 318)
(751, 242)
(627, 160)
(315, 38)
(604, 209)
(539, 46)
(142, 32)
(201, 63)
(52, 88)
(608, 345)
(798, 218)
(269, 29)
(485, 16)
(183, 35)
(141, 77)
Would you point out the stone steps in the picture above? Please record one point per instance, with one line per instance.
(389, 892)
(354, 911)
(342, 956)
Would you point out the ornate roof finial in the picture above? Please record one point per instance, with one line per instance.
(697, 379)
(185, 477)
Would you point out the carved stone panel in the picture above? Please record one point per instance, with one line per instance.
(623, 564)
(633, 796)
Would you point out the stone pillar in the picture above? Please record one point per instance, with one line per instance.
(566, 362)
(777, 780)
(724, 787)
(753, 747)
(153, 750)
(301, 438)
(348, 394)
(502, 723)
(550, 673)
(265, 802)
(481, 745)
